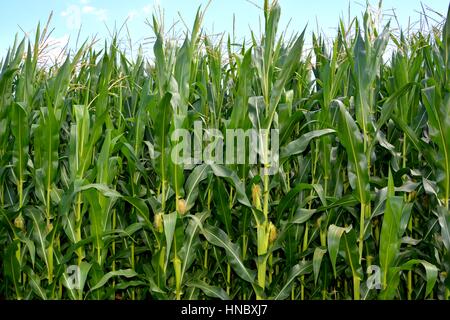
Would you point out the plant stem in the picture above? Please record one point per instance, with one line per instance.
(113, 266)
(356, 286)
(177, 268)
(133, 296)
(262, 229)
(50, 247)
(361, 231)
(78, 228)
(228, 278)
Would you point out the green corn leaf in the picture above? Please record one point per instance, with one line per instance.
(438, 109)
(20, 131)
(390, 237)
(287, 200)
(352, 140)
(296, 271)
(239, 113)
(170, 222)
(292, 58)
(230, 176)
(192, 184)
(444, 222)
(128, 273)
(298, 146)
(219, 238)
(191, 243)
(39, 234)
(35, 283)
(349, 248)
(11, 267)
(431, 272)
(302, 215)
(317, 261)
(333, 241)
(222, 205)
(141, 209)
(210, 291)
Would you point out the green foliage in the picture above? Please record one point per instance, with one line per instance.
(94, 206)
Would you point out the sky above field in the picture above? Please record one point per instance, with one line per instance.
(101, 17)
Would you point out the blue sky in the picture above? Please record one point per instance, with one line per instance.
(97, 16)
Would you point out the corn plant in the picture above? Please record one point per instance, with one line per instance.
(97, 202)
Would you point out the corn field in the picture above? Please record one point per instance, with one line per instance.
(93, 206)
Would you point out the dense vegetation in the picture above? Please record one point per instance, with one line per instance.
(358, 209)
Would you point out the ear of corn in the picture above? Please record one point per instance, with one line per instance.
(94, 204)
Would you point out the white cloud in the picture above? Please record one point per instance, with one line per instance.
(74, 13)
(147, 9)
(100, 14)
(132, 15)
(73, 16)
(88, 9)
